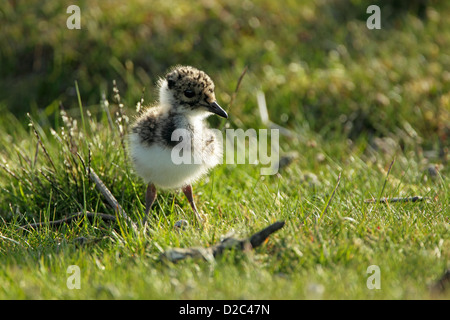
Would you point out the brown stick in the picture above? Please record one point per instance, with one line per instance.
(407, 199)
(177, 254)
(109, 197)
(107, 194)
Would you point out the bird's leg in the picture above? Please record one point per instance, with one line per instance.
(187, 190)
(150, 197)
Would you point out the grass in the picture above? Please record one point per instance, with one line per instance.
(355, 99)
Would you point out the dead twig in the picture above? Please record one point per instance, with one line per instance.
(386, 200)
(177, 254)
(109, 197)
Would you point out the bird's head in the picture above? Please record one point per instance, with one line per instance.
(190, 91)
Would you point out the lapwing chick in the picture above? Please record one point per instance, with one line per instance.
(170, 144)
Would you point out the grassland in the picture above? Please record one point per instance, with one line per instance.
(356, 100)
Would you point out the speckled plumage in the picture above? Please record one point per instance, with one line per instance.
(186, 98)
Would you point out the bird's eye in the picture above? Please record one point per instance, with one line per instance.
(189, 93)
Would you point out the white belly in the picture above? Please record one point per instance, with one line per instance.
(155, 164)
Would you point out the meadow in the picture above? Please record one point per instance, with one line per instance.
(365, 117)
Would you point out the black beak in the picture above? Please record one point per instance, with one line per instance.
(215, 108)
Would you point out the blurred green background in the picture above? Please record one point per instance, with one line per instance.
(317, 62)
(355, 98)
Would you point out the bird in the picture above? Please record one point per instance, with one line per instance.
(176, 125)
